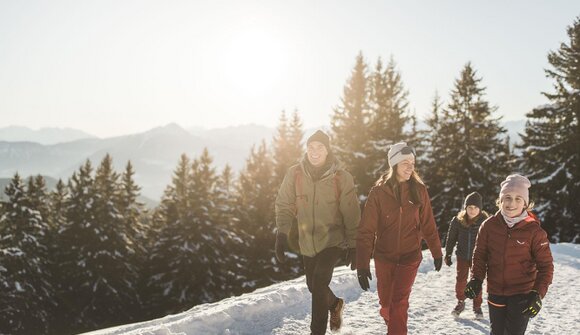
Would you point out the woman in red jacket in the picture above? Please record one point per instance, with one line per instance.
(514, 252)
(396, 217)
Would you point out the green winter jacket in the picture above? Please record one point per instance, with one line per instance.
(327, 210)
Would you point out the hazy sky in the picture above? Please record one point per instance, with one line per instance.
(118, 67)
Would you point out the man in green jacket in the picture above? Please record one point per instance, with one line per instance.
(321, 196)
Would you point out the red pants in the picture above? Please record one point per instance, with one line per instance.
(461, 281)
(394, 282)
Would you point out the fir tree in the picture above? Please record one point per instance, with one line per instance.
(387, 118)
(349, 123)
(26, 292)
(287, 144)
(551, 144)
(190, 260)
(469, 148)
(256, 192)
(166, 237)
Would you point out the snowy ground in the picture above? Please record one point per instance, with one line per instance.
(284, 308)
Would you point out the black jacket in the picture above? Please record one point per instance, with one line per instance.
(463, 236)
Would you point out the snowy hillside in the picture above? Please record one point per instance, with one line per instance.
(284, 308)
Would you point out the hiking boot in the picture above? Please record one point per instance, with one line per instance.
(336, 315)
(458, 308)
(478, 313)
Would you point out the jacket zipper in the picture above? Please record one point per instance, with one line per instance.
(469, 253)
(314, 218)
(399, 232)
(509, 237)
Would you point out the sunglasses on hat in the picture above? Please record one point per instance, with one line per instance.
(405, 151)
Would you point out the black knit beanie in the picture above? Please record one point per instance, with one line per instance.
(473, 199)
(321, 137)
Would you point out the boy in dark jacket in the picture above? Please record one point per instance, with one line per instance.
(463, 231)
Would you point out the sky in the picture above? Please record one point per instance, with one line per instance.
(118, 67)
(284, 308)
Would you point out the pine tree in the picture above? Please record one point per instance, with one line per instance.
(166, 238)
(256, 192)
(26, 291)
(287, 145)
(428, 163)
(349, 122)
(551, 144)
(469, 149)
(191, 260)
(389, 115)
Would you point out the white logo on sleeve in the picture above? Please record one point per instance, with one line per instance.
(521, 243)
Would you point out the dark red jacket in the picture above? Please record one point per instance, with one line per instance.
(398, 227)
(516, 260)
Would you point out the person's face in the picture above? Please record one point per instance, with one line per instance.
(512, 204)
(317, 153)
(472, 211)
(405, 169)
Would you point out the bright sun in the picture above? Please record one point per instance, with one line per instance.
(253, 62)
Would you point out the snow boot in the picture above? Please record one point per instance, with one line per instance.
(458, 308)
(478, 313)
(336, 315)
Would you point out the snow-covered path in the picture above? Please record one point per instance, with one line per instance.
(284, 308)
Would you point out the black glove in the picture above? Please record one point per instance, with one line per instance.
(448, 261)
(473, 288)
(438, 262)
(363, 278)
(281, 246)
(351, 258)
(533, 305)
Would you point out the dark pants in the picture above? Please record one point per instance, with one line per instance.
(318, 276)
(505, 314)
(461, 281)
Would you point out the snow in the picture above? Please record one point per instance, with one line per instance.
(284, 308)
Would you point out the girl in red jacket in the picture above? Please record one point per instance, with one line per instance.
(513, 251)
(396, 217)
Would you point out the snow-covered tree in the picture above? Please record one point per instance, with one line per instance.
(349, 123)
(469, 150)
(256, 191)
(551, 144)
(388, 116)
(287, 144)
(191, 260)
(26, 290)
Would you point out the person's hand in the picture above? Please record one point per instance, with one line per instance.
(533, 305)
(438, 262)
(351, 258)
(448, 261)
(281, 246)
(363, 278)
(473, 288)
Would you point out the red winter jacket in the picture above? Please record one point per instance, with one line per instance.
(516, 260)
(398, 227)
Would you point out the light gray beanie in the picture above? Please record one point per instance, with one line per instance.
(395, 155)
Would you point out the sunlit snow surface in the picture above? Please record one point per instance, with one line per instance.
(284, 308)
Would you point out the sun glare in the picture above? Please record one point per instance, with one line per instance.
(254, 61)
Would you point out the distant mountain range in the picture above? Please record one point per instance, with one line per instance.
(154, 153)
(42, 135)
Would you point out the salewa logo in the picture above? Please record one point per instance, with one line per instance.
(521, 243)
(544, 243)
